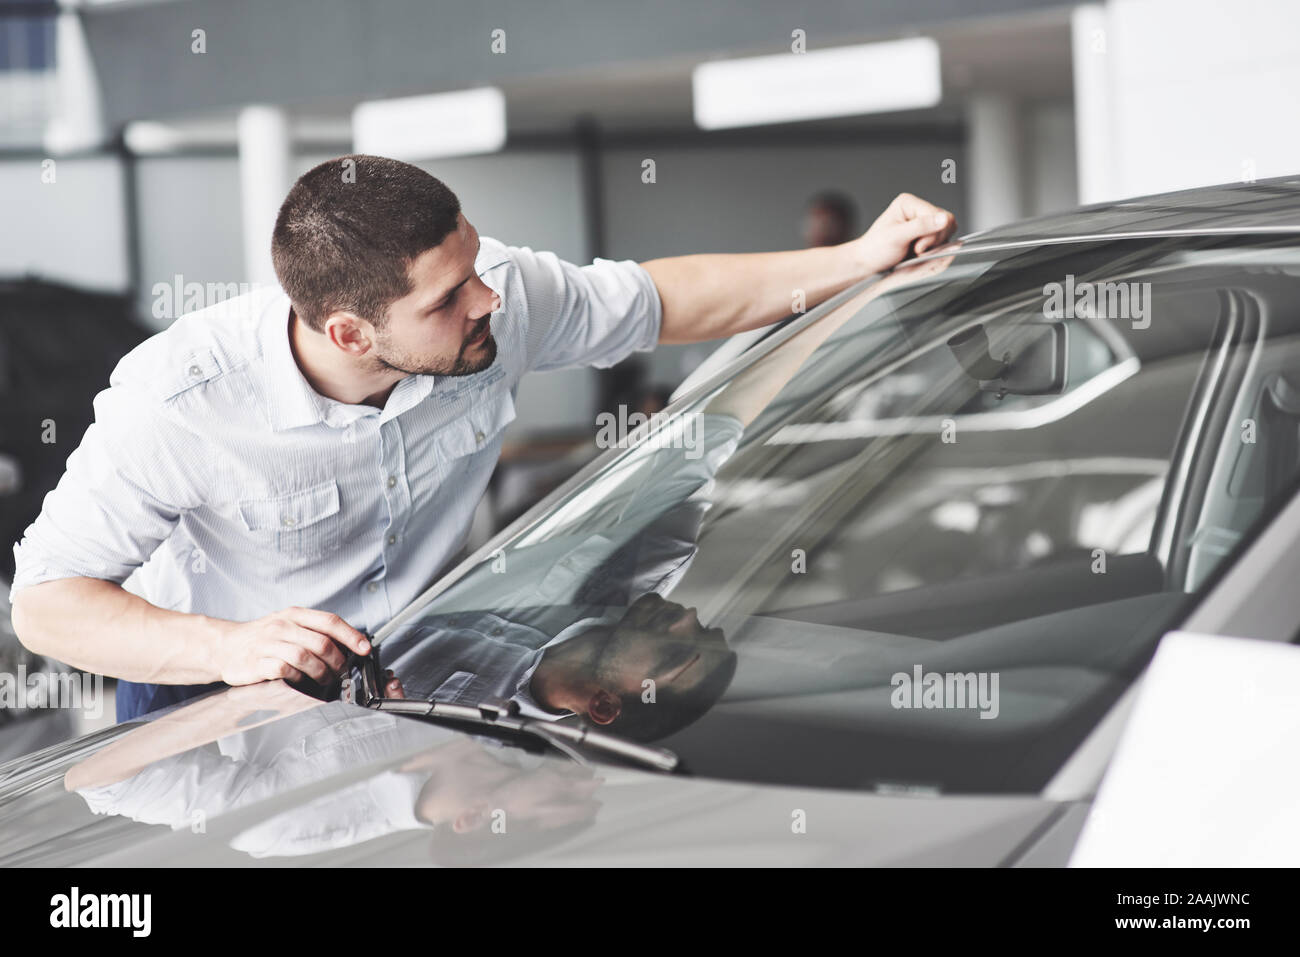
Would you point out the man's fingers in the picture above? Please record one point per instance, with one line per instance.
(928, 230)
(326, 650)
(272, 668)
(320, 645)
(929, 225)
(328, 623)
(914, 207)
(302, 659)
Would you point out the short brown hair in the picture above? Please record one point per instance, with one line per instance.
(349, 230)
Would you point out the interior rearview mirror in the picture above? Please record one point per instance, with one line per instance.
(1027, 358)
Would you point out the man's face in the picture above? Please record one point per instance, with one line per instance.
(663, 641)
(441, 326)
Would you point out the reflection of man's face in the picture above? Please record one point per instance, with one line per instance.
(665, 642)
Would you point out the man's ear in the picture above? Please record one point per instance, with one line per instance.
(349, 332)
(604, 707)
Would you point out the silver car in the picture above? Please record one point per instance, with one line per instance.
(877, 590)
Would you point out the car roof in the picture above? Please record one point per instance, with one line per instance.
(1268, 205)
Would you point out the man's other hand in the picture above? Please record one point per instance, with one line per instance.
(908, 227)
(290, 644)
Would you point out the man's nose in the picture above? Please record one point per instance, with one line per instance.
(489, 298)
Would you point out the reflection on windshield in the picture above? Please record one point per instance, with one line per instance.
(475, 799)
(874, 524)
(574, 622)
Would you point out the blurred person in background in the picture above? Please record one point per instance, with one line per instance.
(830, 219)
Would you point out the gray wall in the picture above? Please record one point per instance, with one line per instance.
(189, 220)
(69, 230)
(734, 198)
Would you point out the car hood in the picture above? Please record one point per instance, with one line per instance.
(264, 775)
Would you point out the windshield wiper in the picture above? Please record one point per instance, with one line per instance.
(502, 716)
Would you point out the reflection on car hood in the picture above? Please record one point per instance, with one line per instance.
(305, 782)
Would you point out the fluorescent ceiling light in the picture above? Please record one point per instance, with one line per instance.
(425, 127)
(845, 81)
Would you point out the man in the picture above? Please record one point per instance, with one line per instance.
(273, 476)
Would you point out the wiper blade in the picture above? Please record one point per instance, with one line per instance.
(503, 716)
(560, 736)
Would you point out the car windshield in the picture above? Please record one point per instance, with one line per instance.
(918, 541)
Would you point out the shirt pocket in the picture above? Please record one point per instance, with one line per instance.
(479, 428)
(454, 687)
(302, 523)
(352, 738)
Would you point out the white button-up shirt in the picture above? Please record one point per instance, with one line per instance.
(215, 480)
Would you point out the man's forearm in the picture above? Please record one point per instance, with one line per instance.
(100, 627)
(714, 295)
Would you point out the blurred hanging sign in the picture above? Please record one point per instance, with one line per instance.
(844, 81)
(426, 127)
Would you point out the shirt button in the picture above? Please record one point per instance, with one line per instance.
(392, 480)
(195, 370)
(372, 587)
(479, 436)
(288, 521)
(392, 539)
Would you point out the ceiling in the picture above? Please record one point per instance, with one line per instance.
(1025, 56)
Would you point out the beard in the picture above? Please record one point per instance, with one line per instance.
(470, 359)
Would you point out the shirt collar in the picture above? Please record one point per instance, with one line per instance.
(528, 706)
(291, 402)
(523, 696)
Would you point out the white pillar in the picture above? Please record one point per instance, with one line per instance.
(996, 171)
(264, 163)
(1090, 39)
(77, 122)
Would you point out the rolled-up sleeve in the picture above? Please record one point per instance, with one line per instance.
(594, 315)
(119, 498)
